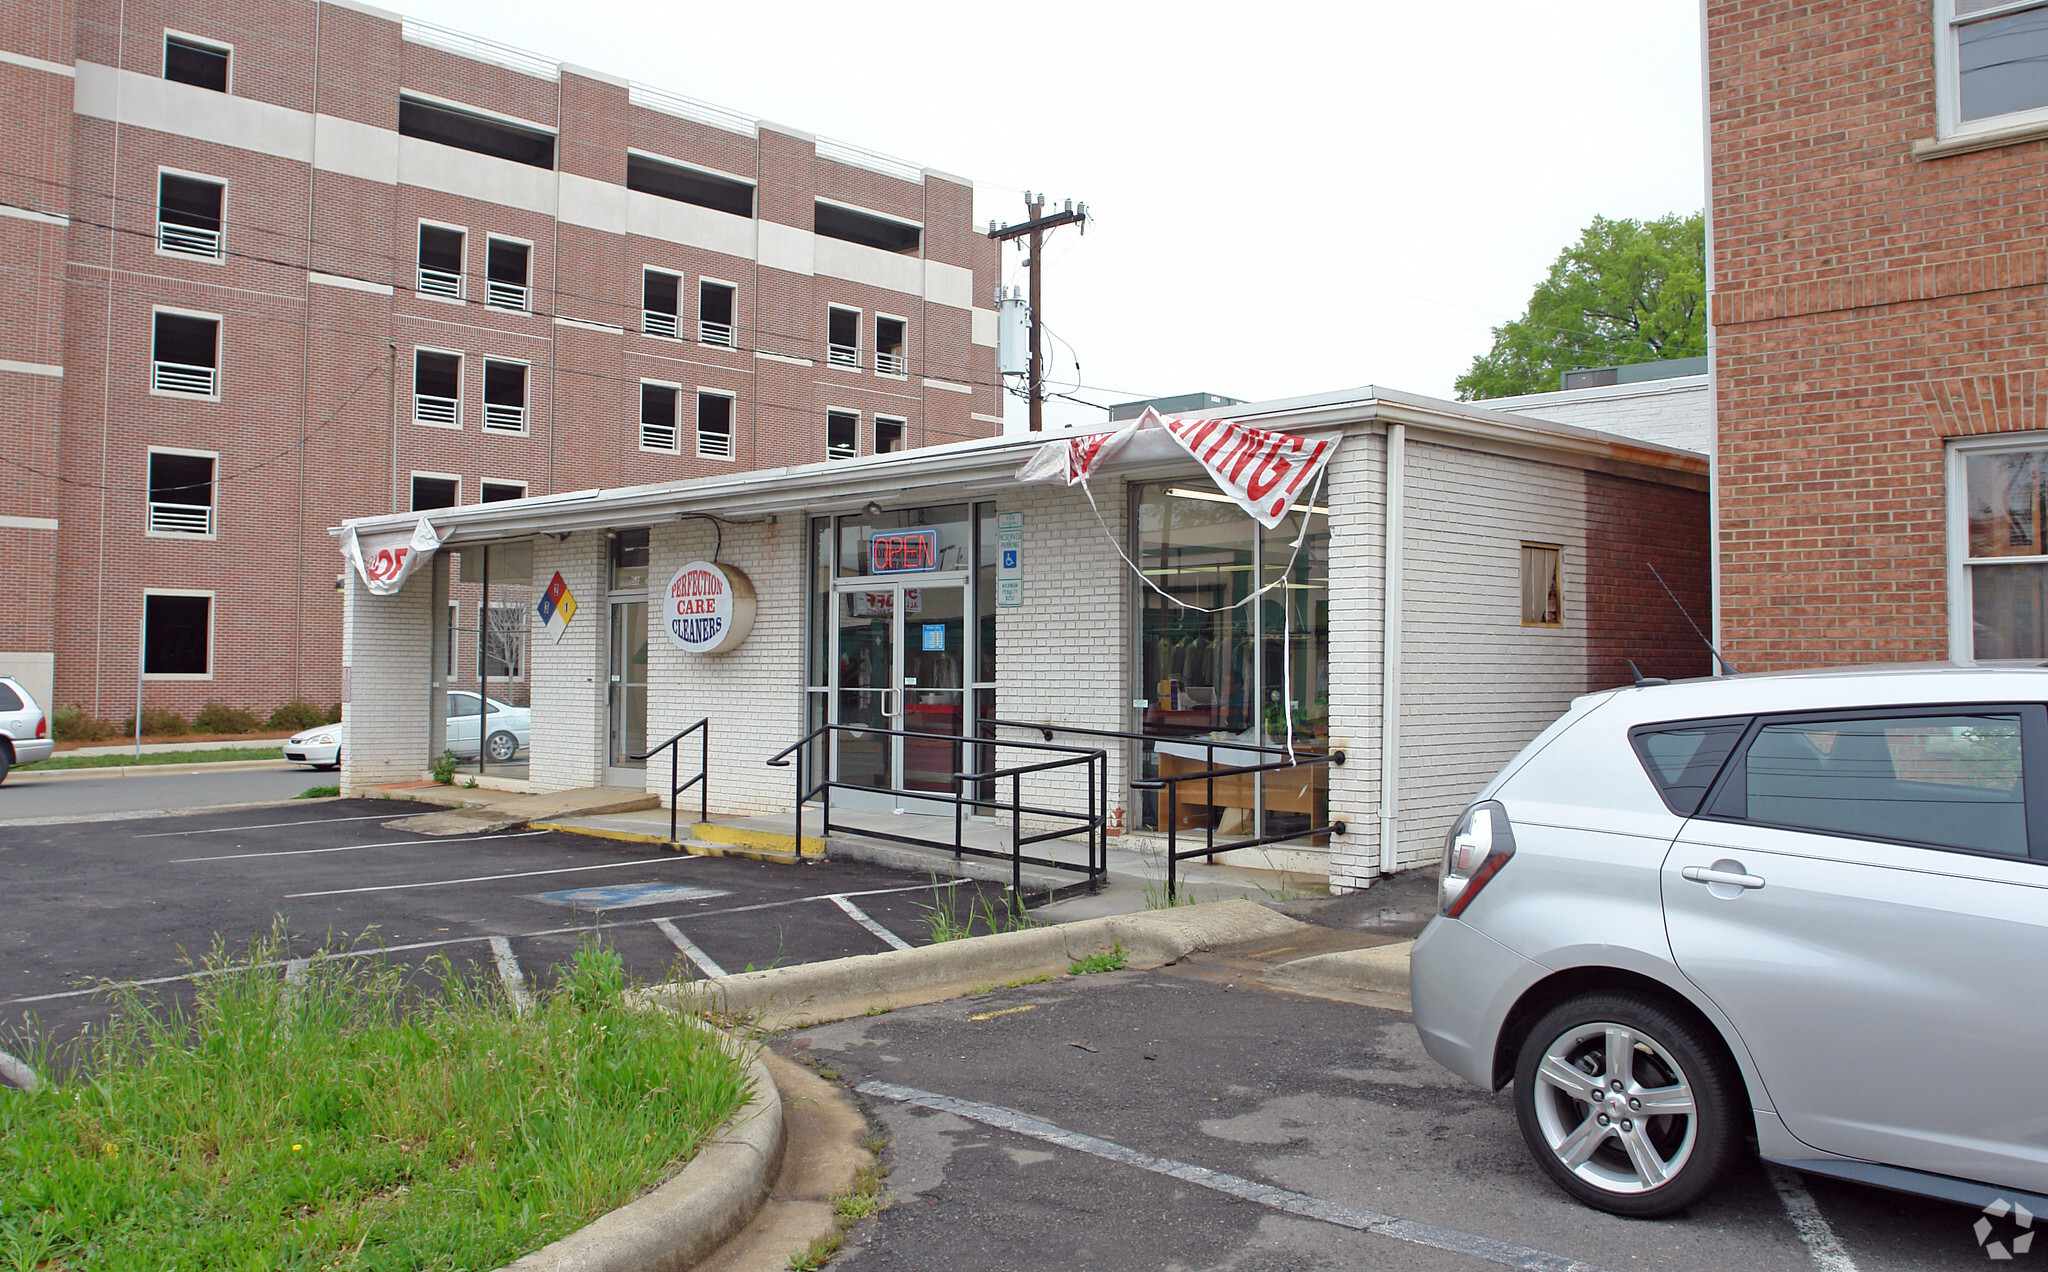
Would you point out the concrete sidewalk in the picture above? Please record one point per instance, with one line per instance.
(1137, 870)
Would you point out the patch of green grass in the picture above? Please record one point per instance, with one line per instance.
(809, 1258)
(1020, 983)
(947, 920)
(151, 757)
(351, 1119)
(318, 792)
(979, 990)
(1109, 960)
(1156, 897)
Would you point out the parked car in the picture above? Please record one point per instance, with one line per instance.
(319, 746)
(508, 731)
(1809, 907)
(24, 730)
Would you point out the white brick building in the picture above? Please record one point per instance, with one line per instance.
(1518, 582)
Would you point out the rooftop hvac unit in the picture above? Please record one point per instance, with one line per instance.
(1013, 334)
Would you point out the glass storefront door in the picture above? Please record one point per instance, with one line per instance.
(628, 693)
(900, 665)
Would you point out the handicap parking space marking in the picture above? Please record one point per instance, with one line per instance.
(315, 821)
(382, 843)
(855, 913)
(705, 963)
(1505, 1253)
(628, 896)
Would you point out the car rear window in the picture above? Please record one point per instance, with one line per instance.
(1683, 759)
(1950, 781)
(9, 700)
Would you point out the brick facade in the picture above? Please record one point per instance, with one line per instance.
(1876, 292)
(320, 313)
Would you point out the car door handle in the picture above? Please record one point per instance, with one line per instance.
(1733, 878)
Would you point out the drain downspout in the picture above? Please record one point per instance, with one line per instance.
(1390, 650)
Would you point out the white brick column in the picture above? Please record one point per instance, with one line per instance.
(1354, 490)
(568, 679)
(387, 664)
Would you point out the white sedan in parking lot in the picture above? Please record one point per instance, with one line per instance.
(507, 730)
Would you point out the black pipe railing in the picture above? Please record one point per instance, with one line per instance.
(702, 781)
(1094, 823)
(1296, 758)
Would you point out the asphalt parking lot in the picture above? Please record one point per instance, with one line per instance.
(1187, 1118)
(132, 900)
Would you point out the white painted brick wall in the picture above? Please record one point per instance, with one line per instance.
(1063, 657)
(1676, 412)
(754, 694)
(568, 680)
(1476, 685)
(387, 661)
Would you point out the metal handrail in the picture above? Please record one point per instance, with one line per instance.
(891, 363)
(659, 322)
(444, 283)
(715, 333)
(431, 408)
(1095, 822)
(844, 355)
(180, 377)
(1296, 758)
(189, 240)
(177, 518)
(702, 781)
(500, 417)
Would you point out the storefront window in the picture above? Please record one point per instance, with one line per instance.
(487, 698)
(903, 550)
(1216, 669)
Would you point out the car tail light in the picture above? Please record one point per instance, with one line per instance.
(1478, 846)
(42, 727)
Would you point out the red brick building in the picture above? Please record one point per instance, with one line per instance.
(274, 263)
(1879, 328)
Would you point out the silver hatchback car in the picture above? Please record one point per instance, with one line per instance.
(1811, 907)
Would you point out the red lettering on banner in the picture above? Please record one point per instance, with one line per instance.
(1307, 466)
(1192, 437)
(1247, 448)
(1271, 467)
(1228, 437)
(388, 563)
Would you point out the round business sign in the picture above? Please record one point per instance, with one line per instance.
(709, 608)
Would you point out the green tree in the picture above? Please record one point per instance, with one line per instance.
(1627, 291)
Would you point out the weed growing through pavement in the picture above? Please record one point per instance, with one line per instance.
(360, 1115)
(443, 768)
(1021, 982)
(1109, 960)
(945, 919)
(318, 792)
(1156, 897)
(866, 1199)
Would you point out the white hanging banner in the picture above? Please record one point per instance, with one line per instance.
(1262, 470)
(386, 561)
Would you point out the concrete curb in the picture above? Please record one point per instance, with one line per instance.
(812, 993)
(1379, 969)
(157, 770)
(692, 1215)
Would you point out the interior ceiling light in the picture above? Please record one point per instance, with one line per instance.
(1210, 496)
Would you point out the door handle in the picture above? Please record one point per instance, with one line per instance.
(887, 712)
(1736, 878)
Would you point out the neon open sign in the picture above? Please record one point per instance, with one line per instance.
(903, 552)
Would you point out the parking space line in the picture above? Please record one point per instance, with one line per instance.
(18, 1073)
(317, 821)
(854, 912)
(1505, 1253)
(690, 951)
(523, 874)
(508, 971)
(394, 843)
(1829, 1255)
(576, 930)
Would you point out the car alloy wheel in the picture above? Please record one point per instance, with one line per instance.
(1625, 1104)
(501, 746)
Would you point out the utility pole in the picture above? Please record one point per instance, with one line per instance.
(1034, 228)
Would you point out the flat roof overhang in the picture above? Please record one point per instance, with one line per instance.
(984, 466)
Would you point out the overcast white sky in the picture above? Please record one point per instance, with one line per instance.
(1289, 197)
